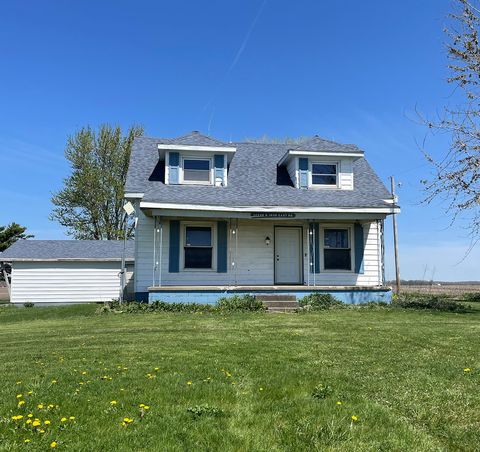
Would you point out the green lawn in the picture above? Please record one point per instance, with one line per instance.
(400, 373)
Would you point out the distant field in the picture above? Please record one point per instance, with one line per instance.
(435, 289)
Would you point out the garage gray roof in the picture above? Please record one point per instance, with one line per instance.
(252, 177)
(85, 250)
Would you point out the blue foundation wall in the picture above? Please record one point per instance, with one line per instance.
(211, 297)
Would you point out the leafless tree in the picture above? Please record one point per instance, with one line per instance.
(456, 175)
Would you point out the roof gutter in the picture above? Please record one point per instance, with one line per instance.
(279, 209)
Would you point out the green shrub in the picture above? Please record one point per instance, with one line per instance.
(429, 302)
(157, 306)
(472, 297)
(320, 301)
(204, 410)
(235, 303)
(322, 391)
(28, 304)
(240, 303)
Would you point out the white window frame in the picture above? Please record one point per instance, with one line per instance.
(323, 162)
(349, 228)
(183, 235)
(196, 157)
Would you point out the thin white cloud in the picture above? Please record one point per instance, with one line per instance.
(247, 37)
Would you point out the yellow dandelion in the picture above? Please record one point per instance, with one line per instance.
(146, 407)
(17, 417)
(22, 402)
(36, 423)
(156, 369)
(54, 382)
(141, 405)
(40, 406)
(19, 382)
(84, 373)
(42, 431)
(50, 406)
(72, 418)
(26, 440)
(261, 389)
(29, 415)
(30, 392)
(53, 444)
(354, 418)
(28, 421)
(19, 396)
(339, 403)
(467, 369)
(113, 402)
(189, 383)
(64, 419)
(47, 422)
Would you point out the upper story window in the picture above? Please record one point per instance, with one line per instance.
(196, 170)
(324, 174)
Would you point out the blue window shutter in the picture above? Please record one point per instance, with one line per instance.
(314, 231)
(219, 161)
(222, 231)
(174, 247)
(359, 248)
(174, 168)
(303, 172)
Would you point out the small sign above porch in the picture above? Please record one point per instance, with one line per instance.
(272, 215)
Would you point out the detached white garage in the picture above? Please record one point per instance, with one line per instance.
(68, 271)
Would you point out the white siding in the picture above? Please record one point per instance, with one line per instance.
(65, 282)
(371, 264)
(346, 174)
(253, 263)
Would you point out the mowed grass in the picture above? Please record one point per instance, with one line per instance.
(401, 374)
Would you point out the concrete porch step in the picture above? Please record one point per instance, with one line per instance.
(278, 309)
(275, 297)
(281, 304)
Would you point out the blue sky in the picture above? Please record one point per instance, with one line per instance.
(350, 71)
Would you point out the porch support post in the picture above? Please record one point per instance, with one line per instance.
(154, 249)
(160, 252)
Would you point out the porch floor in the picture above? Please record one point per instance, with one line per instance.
(280, 288)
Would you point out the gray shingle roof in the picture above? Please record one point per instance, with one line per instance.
(320, 144)
(39, 250)
(252, 179)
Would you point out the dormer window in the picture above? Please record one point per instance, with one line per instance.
(324, 174)
(197, 170)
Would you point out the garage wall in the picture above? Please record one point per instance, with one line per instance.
(65, 282)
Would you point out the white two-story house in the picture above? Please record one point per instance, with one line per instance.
(216, 218)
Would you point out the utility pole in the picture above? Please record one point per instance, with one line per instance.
(395, 236)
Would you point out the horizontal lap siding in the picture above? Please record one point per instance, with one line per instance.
(371, 264)
(143, 252)
(65, 282)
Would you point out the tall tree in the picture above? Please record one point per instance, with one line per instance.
(11, 233)
(90, 203)
(457, 173)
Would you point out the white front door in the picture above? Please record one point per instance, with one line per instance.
(288, 255)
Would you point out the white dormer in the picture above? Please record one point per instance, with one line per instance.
(321, 164)
(196, 165)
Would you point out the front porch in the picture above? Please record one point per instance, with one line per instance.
(200, 257)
